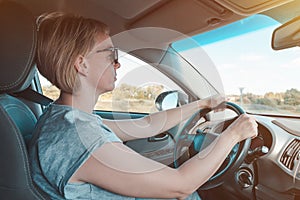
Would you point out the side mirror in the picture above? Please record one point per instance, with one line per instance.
(287, 35)
(170, 99)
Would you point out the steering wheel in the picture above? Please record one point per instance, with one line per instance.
(194, 143)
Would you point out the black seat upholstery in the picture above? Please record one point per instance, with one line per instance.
(18, 43)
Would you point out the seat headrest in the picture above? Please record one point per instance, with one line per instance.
(18, 38)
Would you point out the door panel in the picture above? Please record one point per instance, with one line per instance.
(159, 147)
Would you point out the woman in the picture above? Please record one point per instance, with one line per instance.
(75, 155)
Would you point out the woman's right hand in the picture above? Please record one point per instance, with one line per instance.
(243, 127)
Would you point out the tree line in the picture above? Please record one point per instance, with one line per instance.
(288, 100)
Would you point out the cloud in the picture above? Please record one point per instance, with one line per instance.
(296, 62)
(227, 66)
(251, 57)
(293, 64)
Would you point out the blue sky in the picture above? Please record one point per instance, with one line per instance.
(254, 65)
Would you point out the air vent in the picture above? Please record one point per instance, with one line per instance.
(290, 154)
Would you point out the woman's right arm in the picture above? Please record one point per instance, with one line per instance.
(159, 122)
(117, 168)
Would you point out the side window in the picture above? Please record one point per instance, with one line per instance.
(136, 89)
(48, 89)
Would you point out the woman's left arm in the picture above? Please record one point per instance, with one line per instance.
(159, 122)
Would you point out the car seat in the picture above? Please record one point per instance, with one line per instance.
(18, 45)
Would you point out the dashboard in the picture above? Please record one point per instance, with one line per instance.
(271, 169)
(278, 170)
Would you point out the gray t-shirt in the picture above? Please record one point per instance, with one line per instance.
(63, 140)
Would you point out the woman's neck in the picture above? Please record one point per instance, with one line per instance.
(80, 101)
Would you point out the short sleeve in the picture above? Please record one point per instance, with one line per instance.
(69, 144)
(91, 134)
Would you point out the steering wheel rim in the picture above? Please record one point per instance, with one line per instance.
(236, 156)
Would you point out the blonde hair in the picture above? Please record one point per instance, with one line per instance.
(61, 39)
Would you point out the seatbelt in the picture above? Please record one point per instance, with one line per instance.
(33, 96)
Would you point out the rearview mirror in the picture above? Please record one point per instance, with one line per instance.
(287, 35)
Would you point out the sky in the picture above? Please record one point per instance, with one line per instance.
(249, 61)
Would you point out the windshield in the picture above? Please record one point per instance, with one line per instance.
(261, 80)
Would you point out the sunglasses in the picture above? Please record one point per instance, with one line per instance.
(114, 54)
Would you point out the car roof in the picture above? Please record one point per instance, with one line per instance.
(187, 17)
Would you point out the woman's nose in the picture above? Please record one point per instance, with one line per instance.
(117, 65)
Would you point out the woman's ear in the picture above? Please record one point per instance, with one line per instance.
(80, 66)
